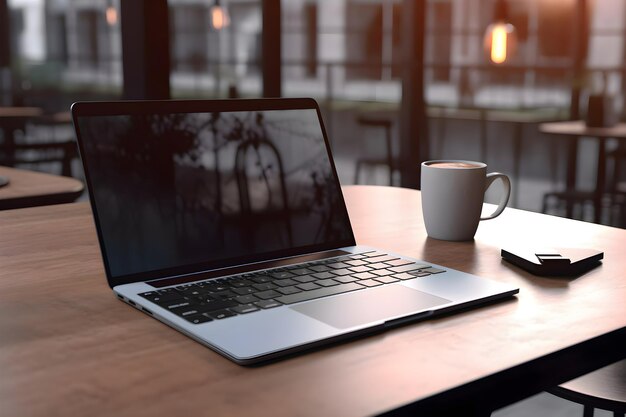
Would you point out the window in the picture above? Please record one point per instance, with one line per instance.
(87, 42)
(189, 28)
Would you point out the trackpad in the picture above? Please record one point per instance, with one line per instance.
(371, 305)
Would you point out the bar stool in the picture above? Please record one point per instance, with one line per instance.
(604, 389)
(388, 160)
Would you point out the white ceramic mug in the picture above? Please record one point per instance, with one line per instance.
(453, 192)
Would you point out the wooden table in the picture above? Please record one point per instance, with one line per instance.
(12, 118)
(576, 129)
(68, 347)
(30, 188)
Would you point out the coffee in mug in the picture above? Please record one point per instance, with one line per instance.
(452, 197)
(459, 165)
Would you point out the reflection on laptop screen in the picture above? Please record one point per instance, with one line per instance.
(182, 189)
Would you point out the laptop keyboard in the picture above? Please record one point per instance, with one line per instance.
(221, 298)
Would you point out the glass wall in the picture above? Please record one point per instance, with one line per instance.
(63, 51)
(215, 59)
(348, 54)
(60, 51)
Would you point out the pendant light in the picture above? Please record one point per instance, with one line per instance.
(219, 16)
(500, 36)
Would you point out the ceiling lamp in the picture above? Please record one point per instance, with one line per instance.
(500, 36)
(219, 16)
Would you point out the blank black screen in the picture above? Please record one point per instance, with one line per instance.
(182, 189)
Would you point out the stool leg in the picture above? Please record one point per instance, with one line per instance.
(389, 153)
(614, 217)
(356, 172)
(588, 411)
(544, 206)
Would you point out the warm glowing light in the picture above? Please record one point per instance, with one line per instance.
(219, 17)
(111, 15)
(500, 41)
(498, 44)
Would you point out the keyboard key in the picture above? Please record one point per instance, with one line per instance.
(267, 304)
(301, 271)
(260, 279)
(246, 299)
(308, 286)
(346, 279)
(240, 283)
(304, 278)
(289, 290)
(216, 287)
(322, 292)
(357, 256)
(403, 275)
(378, 265)
(383, 272)
(370, 283)
(246, 308)
(357, 262)
(419, 274)
(197, 292)
(341, 272)
(264, 287)
(338, 265)
(360, 269)
(327, 282)
(374, 254)
(222, 295)
(319, 268)
(162, 298)
(266, 295)
(364, 275)
(342, 259)
(407, 268)
(386, 280)
(285, 282)
(173, 305)
(244, 291)
(281, 275)
(198, 318)
(217, 305)
(433, 270)
(398, 262)
(323, 275)
(186, 312)
(186, 288)
(383, 258)
(166, 291)
(220, 314)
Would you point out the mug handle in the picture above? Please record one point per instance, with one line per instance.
(504, 199)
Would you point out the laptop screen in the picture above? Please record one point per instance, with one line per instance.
(178, 192)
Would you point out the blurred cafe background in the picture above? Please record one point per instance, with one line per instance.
(534, 88)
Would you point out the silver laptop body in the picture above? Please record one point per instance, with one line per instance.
(225, 221)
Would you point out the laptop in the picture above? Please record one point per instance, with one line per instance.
(225, 220)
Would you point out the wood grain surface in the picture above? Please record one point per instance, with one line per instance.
(68, 347)
(29, 188)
